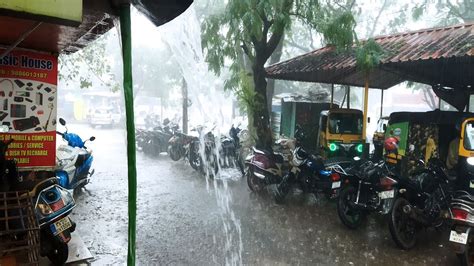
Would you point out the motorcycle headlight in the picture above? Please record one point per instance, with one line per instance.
(44, 209)
(470, 160)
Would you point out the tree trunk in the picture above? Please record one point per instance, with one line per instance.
(261, 119)
(185, 106)
(275, 58)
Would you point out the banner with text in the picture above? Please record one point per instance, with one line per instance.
(28, 86)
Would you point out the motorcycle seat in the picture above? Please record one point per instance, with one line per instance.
(278, 158)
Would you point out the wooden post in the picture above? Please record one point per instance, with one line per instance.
(348, 97)
(332, 95)
(381, 104)
(366, 98)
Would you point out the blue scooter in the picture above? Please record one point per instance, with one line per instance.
(74, 161)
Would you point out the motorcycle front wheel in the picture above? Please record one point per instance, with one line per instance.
(195, 161)
(59, 253)
(402, 227)
(255, 184)
(174, 153)
(349, 217)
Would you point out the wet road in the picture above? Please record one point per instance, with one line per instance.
(185, 219)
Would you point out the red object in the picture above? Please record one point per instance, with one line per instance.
(335, 177)
(57, 205)
(262, 161)
(40, 112)
(391, 144)
(387, 182)
(459, 214)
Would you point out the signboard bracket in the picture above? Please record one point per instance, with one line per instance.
(20, 39)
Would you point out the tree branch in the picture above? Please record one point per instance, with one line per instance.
(247, 51)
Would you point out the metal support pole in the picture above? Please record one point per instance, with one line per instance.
(126, 34)
(332, 95)
(348, 97)
(381, 104)
(366, 99)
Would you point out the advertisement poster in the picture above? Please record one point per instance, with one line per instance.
(28, 83)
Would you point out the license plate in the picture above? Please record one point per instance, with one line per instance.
(61, 225)
(458, 238)
(336, 184)
(389, 194)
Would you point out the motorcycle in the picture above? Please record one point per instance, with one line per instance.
(157, 140)
(53, 204)
(462, 215)
(230, 149)
(264, 168)
(422, 202)
(141, 135)
(308, 171)
(369, 187)
(177, 145)
(202, 154)
(74, 160)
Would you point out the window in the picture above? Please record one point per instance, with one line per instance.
(345, 123)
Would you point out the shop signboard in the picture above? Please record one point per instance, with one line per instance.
(28, 96)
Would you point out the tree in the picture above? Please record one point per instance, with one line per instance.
(449, 11)
(92, 60)
(247, 33)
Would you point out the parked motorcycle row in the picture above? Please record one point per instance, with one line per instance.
(52, 197)
(203, 151)
(428, 198)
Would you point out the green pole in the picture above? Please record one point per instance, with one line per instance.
(125, 29)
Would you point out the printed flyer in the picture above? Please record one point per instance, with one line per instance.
(28, 85)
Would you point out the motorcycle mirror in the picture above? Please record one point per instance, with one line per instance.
(92, 138)
(62, 121)
(4, 129)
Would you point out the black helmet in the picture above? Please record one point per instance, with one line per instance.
(299, 134)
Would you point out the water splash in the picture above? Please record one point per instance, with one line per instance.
(210, 106)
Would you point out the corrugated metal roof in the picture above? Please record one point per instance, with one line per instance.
(433, 56)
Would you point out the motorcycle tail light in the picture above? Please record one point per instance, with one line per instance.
(387, 182)
(335, 177)
(57, 205)
(459, 214)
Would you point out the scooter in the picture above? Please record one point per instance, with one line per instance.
(462, 215)
(53, 204)
(74, 160)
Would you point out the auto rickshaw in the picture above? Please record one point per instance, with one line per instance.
(340, 133)
(379, 137)
(425, 135)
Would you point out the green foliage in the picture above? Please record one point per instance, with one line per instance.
(340, 31)
(93, 58)
(245, 34)
(368, 55)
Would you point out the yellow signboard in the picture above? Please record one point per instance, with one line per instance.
(67, 12)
